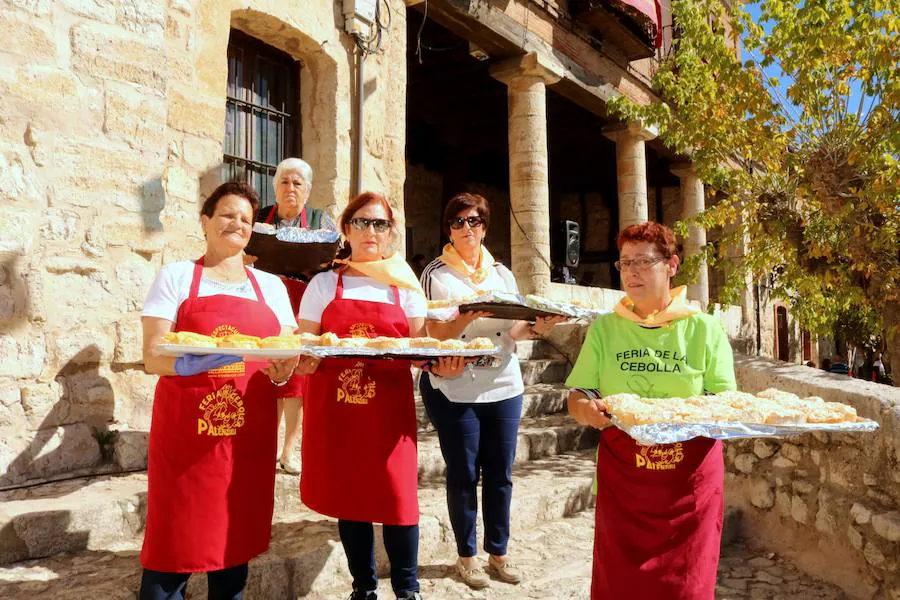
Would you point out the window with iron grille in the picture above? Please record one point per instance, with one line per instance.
(262, 113)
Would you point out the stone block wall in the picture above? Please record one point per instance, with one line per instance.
(111, 133)
(829, 502)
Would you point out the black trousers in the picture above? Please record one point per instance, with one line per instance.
(227, 584)
(402, 545)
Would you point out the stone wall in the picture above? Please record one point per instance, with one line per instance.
(829, 502)
(112, 130)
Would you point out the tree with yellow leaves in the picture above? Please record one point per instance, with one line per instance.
(807, 164)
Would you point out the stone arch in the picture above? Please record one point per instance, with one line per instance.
(324, 90)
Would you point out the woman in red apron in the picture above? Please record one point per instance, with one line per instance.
(292, 184)
(213, 433)
(659, 508)
(359, 428)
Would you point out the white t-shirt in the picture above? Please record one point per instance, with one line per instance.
(478, 384)
(323, 286)
(172, 286)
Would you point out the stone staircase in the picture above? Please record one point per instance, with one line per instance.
(80, 538)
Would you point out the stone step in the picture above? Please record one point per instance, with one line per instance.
(306, 558)
(93, 513)
(539, 399)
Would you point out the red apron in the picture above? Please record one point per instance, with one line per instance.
(359, 423)
(658, 520)
(295, 288)
(212, 448)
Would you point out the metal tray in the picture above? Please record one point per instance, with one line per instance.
(289, 258)
(251, 354)
(514, 312)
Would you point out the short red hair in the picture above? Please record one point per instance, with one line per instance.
(655, 233)
(360, 201)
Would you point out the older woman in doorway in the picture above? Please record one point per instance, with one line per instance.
(214, 428)
(658, 520)
(477, 417)
(293, 184)
(359, 430)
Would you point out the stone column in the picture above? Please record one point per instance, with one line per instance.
(529, 187)
(693, 204)
(631, 170)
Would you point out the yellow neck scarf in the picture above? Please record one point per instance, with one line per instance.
(392, 270)
(678, 308)
(452, 259)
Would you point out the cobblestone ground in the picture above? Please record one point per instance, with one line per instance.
(556, 559)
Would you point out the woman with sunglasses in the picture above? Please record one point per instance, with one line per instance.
(359, 429)
(659, 509)
(477, 416)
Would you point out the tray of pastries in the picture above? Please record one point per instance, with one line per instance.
(504, 305)
(730, 415)
(327, 345)
(291, 250)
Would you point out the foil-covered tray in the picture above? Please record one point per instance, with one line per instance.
(324, 352)
(505, 305)
(301, 251)
(670, 433)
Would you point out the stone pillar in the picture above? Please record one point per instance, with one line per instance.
(631, 170)
(529, 186)
(693, 204)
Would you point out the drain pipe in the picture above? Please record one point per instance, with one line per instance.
(360, 119)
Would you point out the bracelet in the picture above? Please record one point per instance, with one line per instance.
(279, 383)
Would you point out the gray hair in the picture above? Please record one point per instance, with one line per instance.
(293, 164)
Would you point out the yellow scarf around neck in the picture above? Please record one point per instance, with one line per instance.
(678, 308)
(392, 270)
(452, 259)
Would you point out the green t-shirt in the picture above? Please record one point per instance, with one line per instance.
(684, 358)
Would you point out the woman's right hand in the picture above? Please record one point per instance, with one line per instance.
(588, 411)
(307, 365)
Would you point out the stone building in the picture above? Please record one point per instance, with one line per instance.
(119, 117)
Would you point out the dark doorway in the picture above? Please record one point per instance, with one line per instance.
(782, 342)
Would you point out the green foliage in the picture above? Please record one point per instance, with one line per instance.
(810, 179)
(106, 440)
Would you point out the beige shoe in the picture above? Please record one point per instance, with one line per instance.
(474, 577)
(292, 466)
(505, 570)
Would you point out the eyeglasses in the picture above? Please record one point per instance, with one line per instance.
(641, 264)
(361, 224)
(458, 222)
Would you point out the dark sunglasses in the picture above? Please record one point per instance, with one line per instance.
(361, 224)
(458, 222)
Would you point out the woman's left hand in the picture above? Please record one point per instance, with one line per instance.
(280, 371)
(543, 325)
(449, 366)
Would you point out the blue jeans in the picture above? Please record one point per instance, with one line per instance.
(227, 584)
(477, 441)
(402, 545)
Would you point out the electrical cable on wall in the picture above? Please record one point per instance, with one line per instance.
(371, 44)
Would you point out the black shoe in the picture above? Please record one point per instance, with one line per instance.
(361, 595)
(410, 596)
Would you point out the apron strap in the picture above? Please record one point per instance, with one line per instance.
(339, 290)
(270, 218)
(304, 222)
(396, 294)
(253, 282)
(195, 280)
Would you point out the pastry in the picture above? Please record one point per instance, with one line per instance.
(388, 343)
(424, 342)
(434, 304)
(453, 345)
(480, 343)
(281, 341)
(328, 339)
(239, 340)
(189, 338)
(310, 339)
(266, 228)
(352, 342)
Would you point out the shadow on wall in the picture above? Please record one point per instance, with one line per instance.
(75, 432)
(14, 301)
(153, 201)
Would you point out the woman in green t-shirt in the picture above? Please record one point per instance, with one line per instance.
(659, 508)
